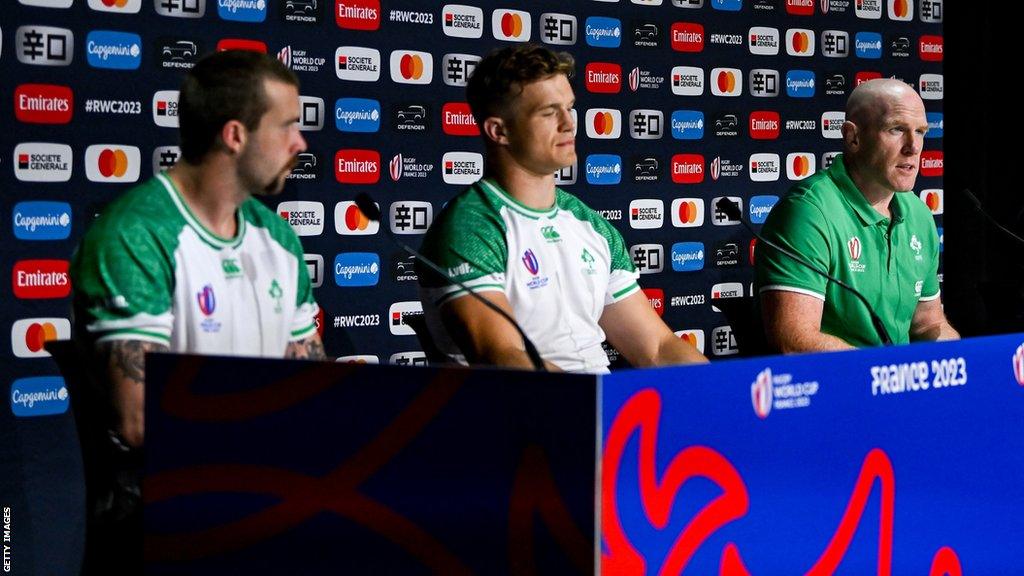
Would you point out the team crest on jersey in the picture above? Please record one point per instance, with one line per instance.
(207, 301)
(588, 263)
(532, 265)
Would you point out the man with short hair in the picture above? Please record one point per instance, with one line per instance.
(189, 261)
(535, 251)
(859, 222)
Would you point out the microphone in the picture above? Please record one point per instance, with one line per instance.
(369, 209)
(977, 207)
(730, 209)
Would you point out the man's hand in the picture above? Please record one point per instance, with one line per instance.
(930, 323)
(485, 337)
(634, 329)
(308, 349)
(126, 371)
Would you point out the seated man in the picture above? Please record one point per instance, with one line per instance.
(859, 222)
(189, 261)
(535, 251)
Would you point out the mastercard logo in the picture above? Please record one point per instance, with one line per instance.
(355, 219)
(115, 3)
(511, 25)
(901, 8)
(38, 335)
(726, 82)
(349, 220)
(689, 212)
(689, 337)
(29, 336)
(801, 42)
(604, 123)
(933, 200)
(112, 163)
(801, 166)
(411, 67)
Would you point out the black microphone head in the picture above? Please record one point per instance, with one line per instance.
(974, 199)
(367, 206)
(729, 208)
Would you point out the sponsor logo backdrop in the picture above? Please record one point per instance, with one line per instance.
(678, 103)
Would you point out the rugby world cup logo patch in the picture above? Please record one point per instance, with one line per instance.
(854, 245)
(531, 262)
(207, 301)
(1018, 364)
(761, 393)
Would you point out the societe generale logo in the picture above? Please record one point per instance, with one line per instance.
(656, 298)
(763, 40)
(412, 67)
(603, 123)
(460, 21)
(511, 25)
(929, 48)
(603, 77)
(832, 124)
(349, 220)
(357, 14)
(688, 212)
(354, 166)
(42, 162)
(687, 37)
(37, 279)
(306, 218)
(357, 63)
(726, 81)
(646, 213)
(399, 312)
(165, 108)
(800, 165)
(28, 336)
(764, 167)
(688, 168)
(931, 163)
(462, 168)
(932, 198)
(112, 163)
(457, 120)
(765, 125)
(43, 103)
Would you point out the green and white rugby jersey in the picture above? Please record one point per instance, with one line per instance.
(558, 268)
(149, 270)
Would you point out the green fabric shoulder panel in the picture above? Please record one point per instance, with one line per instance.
(129, 251)
(616, 245)
(468, 238)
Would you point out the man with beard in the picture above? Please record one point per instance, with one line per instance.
(189, 261)
(859, 222)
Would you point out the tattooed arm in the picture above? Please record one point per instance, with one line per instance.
(125, 367)
(309, 349)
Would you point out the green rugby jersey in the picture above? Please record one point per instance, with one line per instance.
(558, 268)
(148, 270)
(893, 262)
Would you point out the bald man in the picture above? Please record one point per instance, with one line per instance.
(860, 222)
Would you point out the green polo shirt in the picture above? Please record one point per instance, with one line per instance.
(893, 262)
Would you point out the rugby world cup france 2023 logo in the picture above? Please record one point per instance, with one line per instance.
(761, 393)
(1018, 364)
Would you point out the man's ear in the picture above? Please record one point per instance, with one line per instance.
(496, 130)
(234, 135)
(851, 136)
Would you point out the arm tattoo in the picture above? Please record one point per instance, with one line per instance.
(309, 349)
(126, 358)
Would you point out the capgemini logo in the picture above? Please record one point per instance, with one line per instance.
(761, 393)
(1018, 364)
